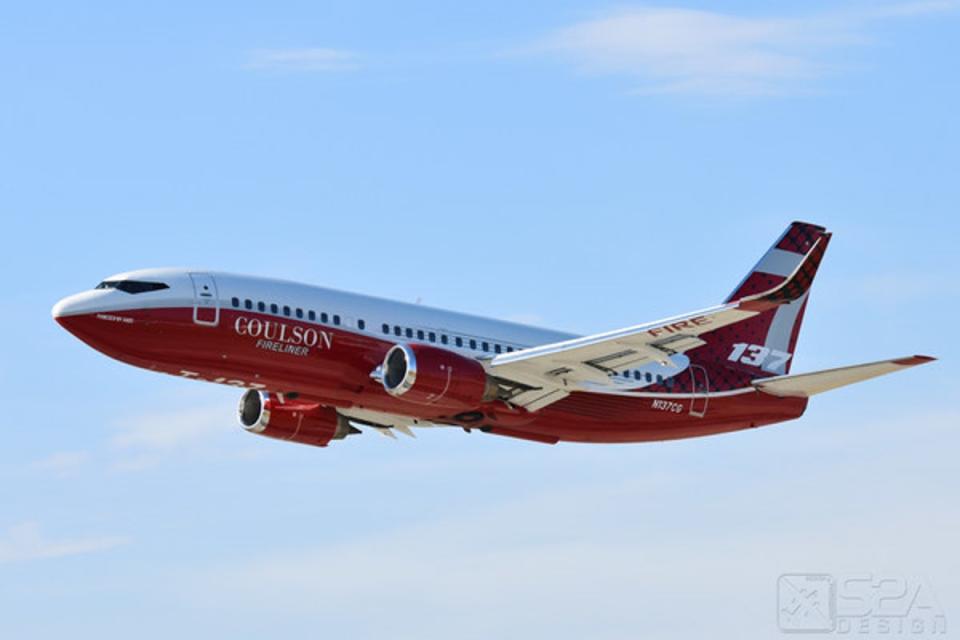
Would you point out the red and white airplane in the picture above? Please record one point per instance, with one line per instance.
(317, 363)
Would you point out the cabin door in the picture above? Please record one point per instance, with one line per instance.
(701, 391)
(206, 302)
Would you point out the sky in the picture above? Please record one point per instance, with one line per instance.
(577, 165)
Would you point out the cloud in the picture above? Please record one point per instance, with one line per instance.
(25, 542)
(146, 440)
(674, 50)
(703, 526)
(905, 287)
(558, 563)
(171, 429)
(913, 8)
(307, 59)
(543, 545)
(62, 462)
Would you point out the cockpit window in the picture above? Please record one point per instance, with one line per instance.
(132, 286)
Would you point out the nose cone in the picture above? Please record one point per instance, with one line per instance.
(80, 304)
(78, 314)
(66, 311)
(94, 318)
(63, 308)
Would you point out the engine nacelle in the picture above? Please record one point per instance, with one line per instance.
(291, 419)
(437, 377)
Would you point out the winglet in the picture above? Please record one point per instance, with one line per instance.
(797, 284)
(780, 259)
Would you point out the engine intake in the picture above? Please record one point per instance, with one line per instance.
(433, 376)
(270, 415)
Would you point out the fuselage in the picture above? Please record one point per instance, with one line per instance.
(326, 345)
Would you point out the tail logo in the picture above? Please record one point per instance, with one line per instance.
(756, 355)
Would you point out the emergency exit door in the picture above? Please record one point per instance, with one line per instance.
(701, 391)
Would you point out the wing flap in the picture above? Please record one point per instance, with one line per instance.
(590, 360)
(536, 399)
(805, 385)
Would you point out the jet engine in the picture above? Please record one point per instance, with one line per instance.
(432, 376)
(274, 416)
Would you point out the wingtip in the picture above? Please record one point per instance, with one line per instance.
(913, 361)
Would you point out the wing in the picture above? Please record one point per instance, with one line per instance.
(805, 385)
(548, 373)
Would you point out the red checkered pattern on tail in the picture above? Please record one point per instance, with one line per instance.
(776, 265)
(764, 345)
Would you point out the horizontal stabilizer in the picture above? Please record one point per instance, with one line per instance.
(805, 385)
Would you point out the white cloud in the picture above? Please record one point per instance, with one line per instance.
(146, 440)
(307, 59)
(25, 542)
(172, 429)
(905, 287)
(143, 441)
(675, 50)
(63, 462)
(587, 555)
(914, 8)
(687, 540)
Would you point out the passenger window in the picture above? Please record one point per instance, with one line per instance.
(459, 341)
(636, 375)
(324, 318)
(443, 338)
(261, 306)
(473, 343)
(659, 379)
(312, 315)
(509, 349)
(432, 336)
(386, 328)
(648, 377)
(419, 334)
(286, 310)
(486, 346)
(299, 312)
(396, 330)
(336, 320)
(274, 308)
(409, 332)
(235, 302)
(248, 304)
(497, 348)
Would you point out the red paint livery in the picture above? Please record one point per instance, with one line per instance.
(318, 362)
(436, 378)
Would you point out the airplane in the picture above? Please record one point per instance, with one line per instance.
(318, 363)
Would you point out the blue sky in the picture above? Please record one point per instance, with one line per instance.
(584, 166)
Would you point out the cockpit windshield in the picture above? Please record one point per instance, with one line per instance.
(132, 286)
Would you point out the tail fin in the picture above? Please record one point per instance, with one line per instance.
(764, 345)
